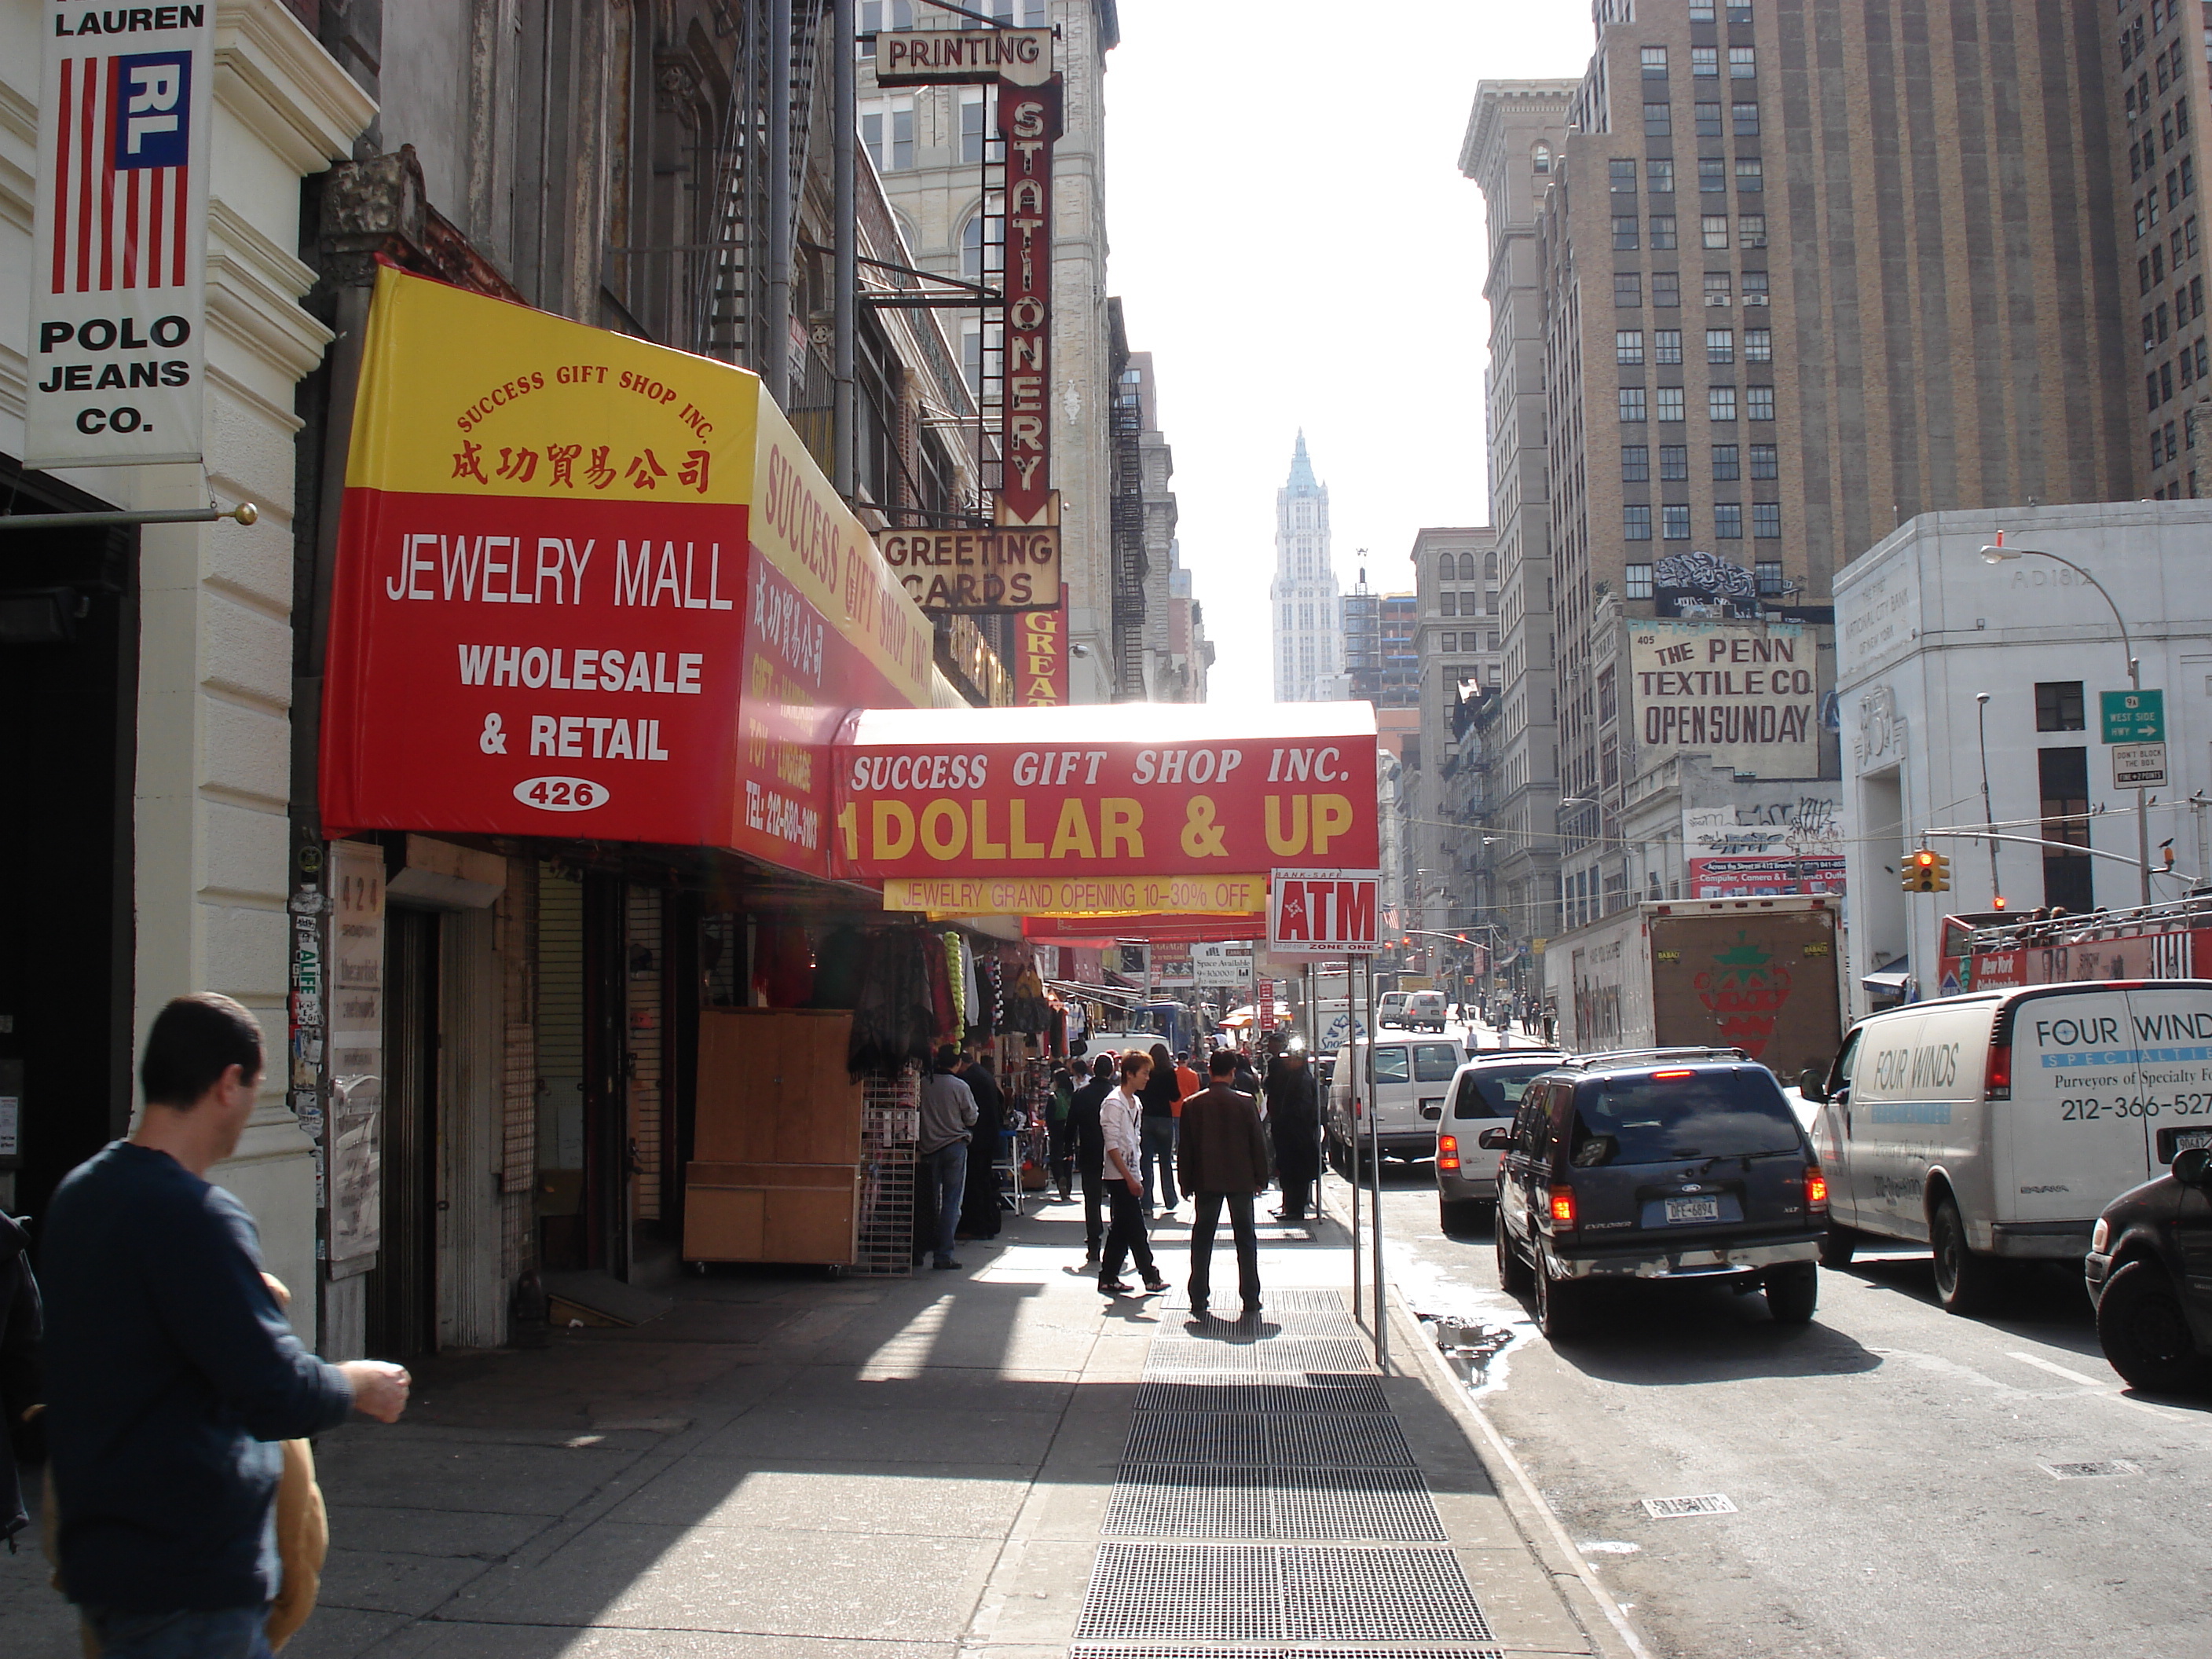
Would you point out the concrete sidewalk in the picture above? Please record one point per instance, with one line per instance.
(792, 1465)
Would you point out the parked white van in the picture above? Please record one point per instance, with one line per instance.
(1999, 1124)
(1412, 1077)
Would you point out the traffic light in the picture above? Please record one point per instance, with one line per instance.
(1926, 871)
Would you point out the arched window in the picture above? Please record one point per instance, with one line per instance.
(1467, 567)
(984, 243)
(1543, 158)
(1490, 566)
(1448, 568)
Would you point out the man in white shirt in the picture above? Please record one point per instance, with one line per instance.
(1121, 1119)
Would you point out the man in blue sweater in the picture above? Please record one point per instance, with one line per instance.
(171, 1371)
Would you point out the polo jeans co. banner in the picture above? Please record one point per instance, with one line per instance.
(590, 586)
(1085, 810)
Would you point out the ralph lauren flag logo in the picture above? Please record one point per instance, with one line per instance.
(121, 177)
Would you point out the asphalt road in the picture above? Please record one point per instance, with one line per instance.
(1889, 1465)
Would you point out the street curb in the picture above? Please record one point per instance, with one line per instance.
(1587, 1601)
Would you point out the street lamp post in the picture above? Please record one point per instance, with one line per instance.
(1998, 553)
(1989, 812)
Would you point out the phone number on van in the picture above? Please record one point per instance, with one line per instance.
(2084, 1111)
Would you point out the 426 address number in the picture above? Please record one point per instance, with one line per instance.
(562, 794)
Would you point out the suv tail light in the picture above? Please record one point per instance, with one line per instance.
(1447, 1151)
(1816, 1188)
(1998, 1080)
(1562, 1201)
(1672, 1074)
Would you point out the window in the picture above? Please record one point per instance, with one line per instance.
(2189, 234)
(1019, 14)
(1766, 577)
(1447, 568)
(2188, 177)
(1706, 63)
(1712, 175)
(1670, 402)
(1654, 63)
(1727, 521)
(887, 132)
(2150, 397)
(2157, 262)
(1659, 176)
(1674, 522)
(1726, 465)
(1622, 175)
(1713, 231)
(876, 14)
(1709, 121)
(2060, 707)
(1540, 158)
(1754, 288)
(2143, 219)
(1720, 345)
(1635, 463)
(2064, 777)
(1766, 520)
(1674, 463)
(1667, 345)
(1716, 287)
(1701, 11)
(1759, 345)
(1738, 14)
(1759, 403)
(1663, 230)
(2162, 321)
(1448, 643)
(1720, 403)
(974, 128)
(1631, 403)
(1750, 174)
(1628, 288)
(1747, 119)
(1657, 122)
(1635, 523)
(1665, 288)
(1624, 232)
(1743, 63)
(983, 242)
(1765, 461)
(1751, 229)
(2197, 296)
(1467, 568)
(1635, 578)
(2143, 274)
(1448, 604)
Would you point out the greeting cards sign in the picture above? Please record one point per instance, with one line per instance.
(590, 586)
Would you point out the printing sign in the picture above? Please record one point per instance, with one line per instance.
(118, 274)
(940, 58)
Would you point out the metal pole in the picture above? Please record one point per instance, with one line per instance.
(1356, 1043)
(2143, 804)
(845, 209)
(1989, 812)
(775, 365)
(1375, 1174)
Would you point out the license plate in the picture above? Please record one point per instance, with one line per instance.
(1433, 1108)
(2171, 1141)
(1694, 1209)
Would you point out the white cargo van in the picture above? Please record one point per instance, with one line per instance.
(1999, 1124)
(1424, 1011)
(1412, 1077)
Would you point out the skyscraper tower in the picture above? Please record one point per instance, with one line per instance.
(1308, 636)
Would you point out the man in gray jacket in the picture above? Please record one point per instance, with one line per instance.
(940, 1155)
(1222, 1158)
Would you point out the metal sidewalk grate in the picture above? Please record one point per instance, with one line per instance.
(1130, 1650)
(1223, 1325)
(1277, 1301)
(1321, 1393)
(1296, 1593)
(1194, 1501)
(1273, 1356)
(1306, 1439)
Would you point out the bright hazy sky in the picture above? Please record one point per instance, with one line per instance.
(1295, 244)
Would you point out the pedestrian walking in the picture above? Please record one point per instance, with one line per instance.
(1089, 1134)
(1294, 1124)
(21, 1324)
(171, 1370)
(947, 1119)
(1221, 1159)
(1160, 1098)
(1120, 1123)
(1059, 1140)
(978, 1207)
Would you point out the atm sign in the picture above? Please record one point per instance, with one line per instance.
(1323, 913)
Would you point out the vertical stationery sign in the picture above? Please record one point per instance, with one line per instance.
(117, 279)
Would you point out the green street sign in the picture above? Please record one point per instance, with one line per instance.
(2133, 716)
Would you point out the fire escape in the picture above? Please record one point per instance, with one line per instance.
(1125, 433)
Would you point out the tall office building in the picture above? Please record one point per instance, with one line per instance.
(1307, 613)
(1806, 271)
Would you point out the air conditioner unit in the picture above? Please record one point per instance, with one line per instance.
(1752, 241)
(1754, 299)
(1722, 298)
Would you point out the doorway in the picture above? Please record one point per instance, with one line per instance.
(403, 1288)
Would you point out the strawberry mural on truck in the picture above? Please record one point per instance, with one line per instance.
(1744, 991)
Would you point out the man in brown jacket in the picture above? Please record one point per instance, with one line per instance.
(1222, 1157)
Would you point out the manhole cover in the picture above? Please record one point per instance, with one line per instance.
(1662, 1509)
(2105, 1470)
